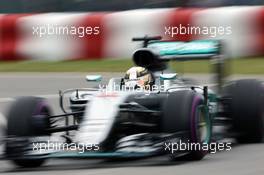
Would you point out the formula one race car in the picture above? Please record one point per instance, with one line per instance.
(110, 123)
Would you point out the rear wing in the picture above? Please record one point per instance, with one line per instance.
(181, 51)
(177, 50)
(155, 54)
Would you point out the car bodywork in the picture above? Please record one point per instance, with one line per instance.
(118, 123)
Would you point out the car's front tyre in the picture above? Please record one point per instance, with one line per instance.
(22, 124)
(185, 111)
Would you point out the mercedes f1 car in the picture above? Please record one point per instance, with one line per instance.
(110, 123)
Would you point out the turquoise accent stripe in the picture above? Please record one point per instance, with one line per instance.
(98, 155)
(185, 48)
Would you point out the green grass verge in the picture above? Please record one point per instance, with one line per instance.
(238, 66)
(66, 66)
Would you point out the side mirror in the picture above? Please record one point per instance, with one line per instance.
(169, 76)
(95, 78)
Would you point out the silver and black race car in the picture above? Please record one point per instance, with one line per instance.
(111, 123)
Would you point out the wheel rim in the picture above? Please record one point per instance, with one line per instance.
(203, 125)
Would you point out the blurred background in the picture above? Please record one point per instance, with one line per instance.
(118, 21)
(25, 6)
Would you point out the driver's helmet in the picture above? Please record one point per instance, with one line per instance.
(139, 77)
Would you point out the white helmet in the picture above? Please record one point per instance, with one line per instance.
(138, 77)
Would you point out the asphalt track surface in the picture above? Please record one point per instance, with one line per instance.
(241, 160)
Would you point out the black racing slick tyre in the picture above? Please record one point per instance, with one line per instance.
(22, 124)
(246, 109)
(185, 111)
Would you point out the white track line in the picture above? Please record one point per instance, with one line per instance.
(10, 99)
(3, 100)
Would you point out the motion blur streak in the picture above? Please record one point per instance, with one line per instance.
(116, 30)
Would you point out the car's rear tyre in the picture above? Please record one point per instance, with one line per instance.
(185, 111)
(22, 123)
(246, 108)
